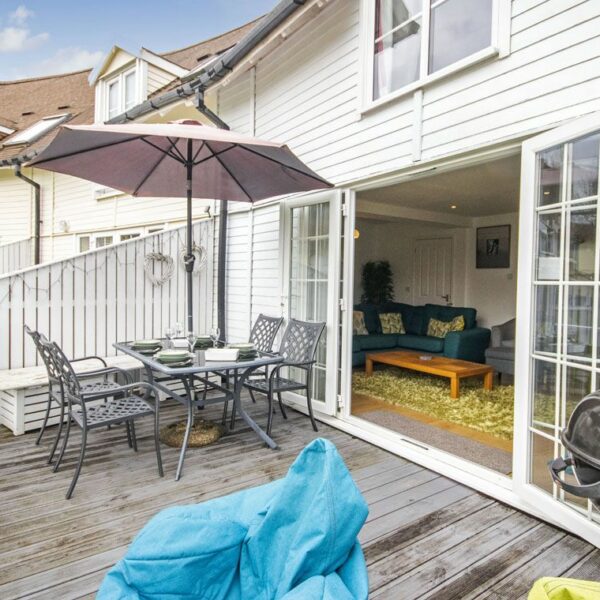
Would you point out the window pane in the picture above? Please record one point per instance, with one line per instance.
(548, 252)
(579, 385)
(113, 99)
(582, 245)
(579, 322)
(459, 28)
(584, 167)
(130, 90)
(546, 318)
(550, 164)
(84, 244)
(542, 452)
(128, 236)
(397, 59)
(104, 240)
(391, 13)
(544, 395)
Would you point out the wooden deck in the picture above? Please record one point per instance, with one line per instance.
(426, 536)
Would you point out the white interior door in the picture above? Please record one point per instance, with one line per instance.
(433, 272)
(311, 246)
(557, 360)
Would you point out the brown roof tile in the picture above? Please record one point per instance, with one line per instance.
(26, 101)
(190, 56)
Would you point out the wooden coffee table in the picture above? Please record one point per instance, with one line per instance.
(452, 368)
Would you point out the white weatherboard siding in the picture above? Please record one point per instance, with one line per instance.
(253, 267)
(16, 204)
(306, 93)
(157, 78)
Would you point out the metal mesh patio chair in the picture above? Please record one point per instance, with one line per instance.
(55, 391)
(263, 335)
(122, 404)
(298, 348)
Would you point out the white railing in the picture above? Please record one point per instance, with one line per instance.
(88, 302)
(16, 255)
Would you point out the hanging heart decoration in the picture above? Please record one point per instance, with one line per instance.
(200, 255)
(158, 262)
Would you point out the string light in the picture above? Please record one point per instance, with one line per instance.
(110, 252)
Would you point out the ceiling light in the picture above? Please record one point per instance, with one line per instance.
(453, 206)
(356, 234)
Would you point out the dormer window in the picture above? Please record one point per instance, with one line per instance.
(121, 93)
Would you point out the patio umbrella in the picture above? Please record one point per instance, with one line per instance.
(178, 159)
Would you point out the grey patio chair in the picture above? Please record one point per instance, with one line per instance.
(55, 391)
(262, 335)
(121, 404)
(298, 348)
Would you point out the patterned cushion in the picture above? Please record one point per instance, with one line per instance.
(358, 323)
(391, 323)
(441, 329)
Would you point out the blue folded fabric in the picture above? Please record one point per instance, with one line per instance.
(292, 539)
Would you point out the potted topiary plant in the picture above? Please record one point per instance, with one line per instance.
(377, 284)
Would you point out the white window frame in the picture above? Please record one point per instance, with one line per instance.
(120, 79)
(116, 235)
(499, 47)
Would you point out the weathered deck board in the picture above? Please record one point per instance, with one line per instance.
(425, 535)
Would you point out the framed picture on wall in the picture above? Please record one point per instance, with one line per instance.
(493, 247)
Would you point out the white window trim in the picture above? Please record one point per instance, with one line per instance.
(499, 47)
(114, 233)
(120, 79)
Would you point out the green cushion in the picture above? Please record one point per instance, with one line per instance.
(371, 317)
(421, 342)
(412, 316)
(447, 313)
(381, 341)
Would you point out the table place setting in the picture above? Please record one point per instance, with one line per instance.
(174, 357)
(246, 350)
(147, 346)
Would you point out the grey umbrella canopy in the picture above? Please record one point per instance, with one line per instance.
(178, 160)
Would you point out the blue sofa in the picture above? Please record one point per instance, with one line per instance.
(292, 539)
(469, 344)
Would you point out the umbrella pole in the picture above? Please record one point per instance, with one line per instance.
(190, 258)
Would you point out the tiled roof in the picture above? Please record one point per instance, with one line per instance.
(190, 56)
(26, 101)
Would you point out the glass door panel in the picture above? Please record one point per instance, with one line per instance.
(557, 346)
(311, 284)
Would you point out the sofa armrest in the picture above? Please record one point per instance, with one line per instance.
(469, 344)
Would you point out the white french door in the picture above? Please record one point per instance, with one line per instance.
(557, 361)
(311, 274)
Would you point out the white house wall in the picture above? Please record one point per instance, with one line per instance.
(307, 94)
(16, 200)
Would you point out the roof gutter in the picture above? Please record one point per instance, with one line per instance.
(219, 69)
(37, 212)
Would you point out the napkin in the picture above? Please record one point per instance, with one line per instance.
(221, 354)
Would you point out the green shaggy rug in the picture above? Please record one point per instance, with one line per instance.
(490, 412)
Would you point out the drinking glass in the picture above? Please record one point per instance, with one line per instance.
(169, 333)
(215, 335)
(178, 329)
(191, 338)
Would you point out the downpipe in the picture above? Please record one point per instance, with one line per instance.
(36, 212)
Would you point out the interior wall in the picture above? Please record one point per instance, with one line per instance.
(395, 241)
(491, 291)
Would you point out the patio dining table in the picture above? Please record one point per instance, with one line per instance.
(233, 375)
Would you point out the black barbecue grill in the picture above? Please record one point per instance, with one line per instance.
(581, 438)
